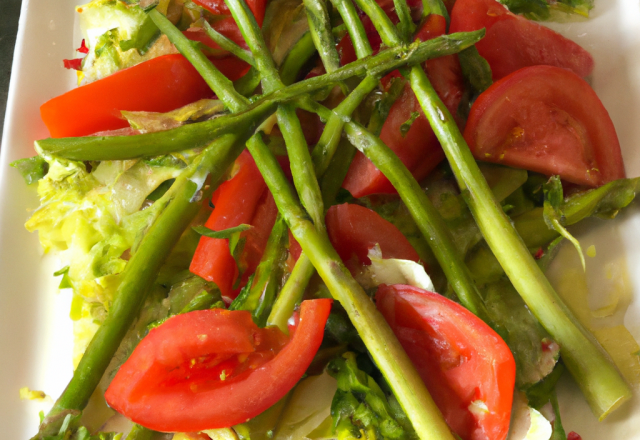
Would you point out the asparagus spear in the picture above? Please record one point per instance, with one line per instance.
(259, 295)
(600, 382)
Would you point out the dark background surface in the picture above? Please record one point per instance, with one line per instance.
(8, 28)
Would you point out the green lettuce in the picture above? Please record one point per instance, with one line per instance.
(94, 217)
(118, 35)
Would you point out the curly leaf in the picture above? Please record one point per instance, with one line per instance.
(554, 215)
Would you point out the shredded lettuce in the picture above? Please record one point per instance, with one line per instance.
(394, 271)
(93, 217)
(118, 35)
(148, 122)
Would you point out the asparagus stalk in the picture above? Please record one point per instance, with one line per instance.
(291, 293)
(155, 144)
(599, 380)
(228, 44)
(298, 56)
(354, 27)
(320, 28)
(328, 143)
(260, 295)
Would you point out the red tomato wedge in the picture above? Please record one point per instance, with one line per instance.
(466, 366)
(418, 148)
(513, 42)
(214, 368)
(218, 7)
(236, 202)
(354, 229)
(157, 85)
(549, 120)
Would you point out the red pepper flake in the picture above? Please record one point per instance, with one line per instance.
(573, 436)
(83, 47)
(75, 64)
(548, 345)
(539, 254)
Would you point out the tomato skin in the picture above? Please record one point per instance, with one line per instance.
(156, 388)
(418, 148)
(459, 358)
(513, 42)
(549, 120)
(235, 203)
(354, 229)
(157, 85)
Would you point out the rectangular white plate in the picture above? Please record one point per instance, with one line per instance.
(35, 332)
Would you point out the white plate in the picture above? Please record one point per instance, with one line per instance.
(35, 333)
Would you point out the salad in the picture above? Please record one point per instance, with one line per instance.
(390, 258)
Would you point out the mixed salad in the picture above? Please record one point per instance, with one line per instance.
(256, 204)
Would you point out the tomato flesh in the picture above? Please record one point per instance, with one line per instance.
(513, 42)
(239, 200)
(214, 368)
(467, 368)
(418, 148)
(549, 120)
(354, 229)
(157, 85)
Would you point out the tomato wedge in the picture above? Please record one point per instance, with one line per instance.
(157, 85)
(466, 366)
(236, 201)
(418, 148)
(549, 120)
(214, 368)
(513, 42)
(354, 229)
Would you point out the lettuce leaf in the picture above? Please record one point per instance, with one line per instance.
(94, 217)
(118, 35)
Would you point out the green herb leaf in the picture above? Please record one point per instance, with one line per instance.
(554, 215)
(31, 168)
(406, 125)
(475, 69)
(65, 282)
(143, 38)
